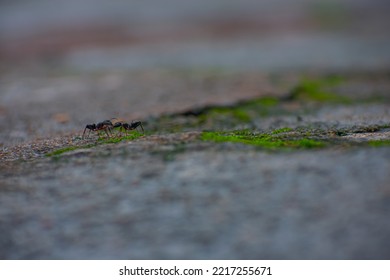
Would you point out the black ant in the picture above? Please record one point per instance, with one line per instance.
(104, 125)
(125, 126)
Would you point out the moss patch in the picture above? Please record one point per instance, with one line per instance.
(319, 91)
(237, 114)
(270, 140)
(379, 143)
(242, 112)
(100, 141)
(282, 130)
(263, 106)
(60, 151)
(116, 139)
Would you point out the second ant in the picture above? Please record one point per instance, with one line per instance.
(108, 125)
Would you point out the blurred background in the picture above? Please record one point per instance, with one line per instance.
(85, 61)
(269, 35)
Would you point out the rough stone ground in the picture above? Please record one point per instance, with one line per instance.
(170, 195)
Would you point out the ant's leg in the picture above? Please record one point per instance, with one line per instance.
(136, 128)
(84, 132)
(99, 133)
(119, 132)
(143, 131)
(110, 131)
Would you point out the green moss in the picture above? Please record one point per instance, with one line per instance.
(61, 151)
(379, 143)
(282, 130)
(100, 141)
(237, 113)
(263, 106)
(309, 143)
(264, 140)
(224, 116)
(266, 101)
(241, 115)
(133, 135)
(319, 91)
